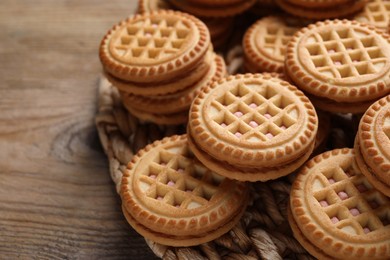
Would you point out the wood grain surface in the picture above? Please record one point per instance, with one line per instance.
(57, 200)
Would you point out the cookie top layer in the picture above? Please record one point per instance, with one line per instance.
(377, 13)
(154, 46)
(253, 120)
(342, 60)
(374, 139)
(167, 190)
(337, 209)
(265, 43)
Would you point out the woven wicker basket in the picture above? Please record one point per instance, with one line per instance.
(262, 233)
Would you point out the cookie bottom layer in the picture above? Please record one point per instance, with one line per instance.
(312, 249)
(367, 172)
(183, 241)
(247, 174)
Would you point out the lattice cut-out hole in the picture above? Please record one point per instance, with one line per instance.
(313, 49)
(350, 44)
(319, 62)
(385, 218)
(364, 69)
(368, 42)
(132, 30)
(334, 175)
(272, 30)
(269, 39)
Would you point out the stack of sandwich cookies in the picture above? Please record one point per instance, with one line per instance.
(265, 44)
(172, 108)
(321, 9)
(377, 13)
(372, 145)
(220, 28)
(213, 8)
(252, 127)
(171, 198)
(335, 213)
(157, 53)
(342, 65)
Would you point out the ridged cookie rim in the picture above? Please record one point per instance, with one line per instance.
(370, 147)
(218, 214)
(213, 145)
(177, 101)
(318, 233)
(303, 79)
(157, 72)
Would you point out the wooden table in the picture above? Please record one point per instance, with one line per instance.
(56, 196)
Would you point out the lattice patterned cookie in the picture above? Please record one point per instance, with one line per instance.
(343, 61)
(334, 11)
(171, 198)
(265, 44)
(373, 144)
(336, 213)
(154, 47)
(253, 121)
(377, 13)
(179, 101)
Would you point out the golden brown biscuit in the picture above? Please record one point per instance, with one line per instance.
(154, 47)
(336, 213)
(377, 13)
(341, 60)
(265, 44)
(179, 101)
(373, 144)
(253, 121)
(171, 198)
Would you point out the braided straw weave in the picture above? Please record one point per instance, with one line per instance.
(262, 233)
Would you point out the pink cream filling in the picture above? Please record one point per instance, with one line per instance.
(252, 105)
(343, 195)
(238, 114)
(238, 134)
(338, 63)
(331, 51)
(366, 230)
(159, 198)
(180, 170)
(331, 180)
(153, 176)
(253, 124)
(324, 203)
(335, 220)
(223, 125)
(269, 135)
(171, 183)
(354, 211)
(268, 116)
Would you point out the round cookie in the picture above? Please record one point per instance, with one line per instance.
(341, 60)
(373, 144)
(265, 44)
(336, 213)
(377, 13)
(253, 121)
(154, 47)
(171, 198)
